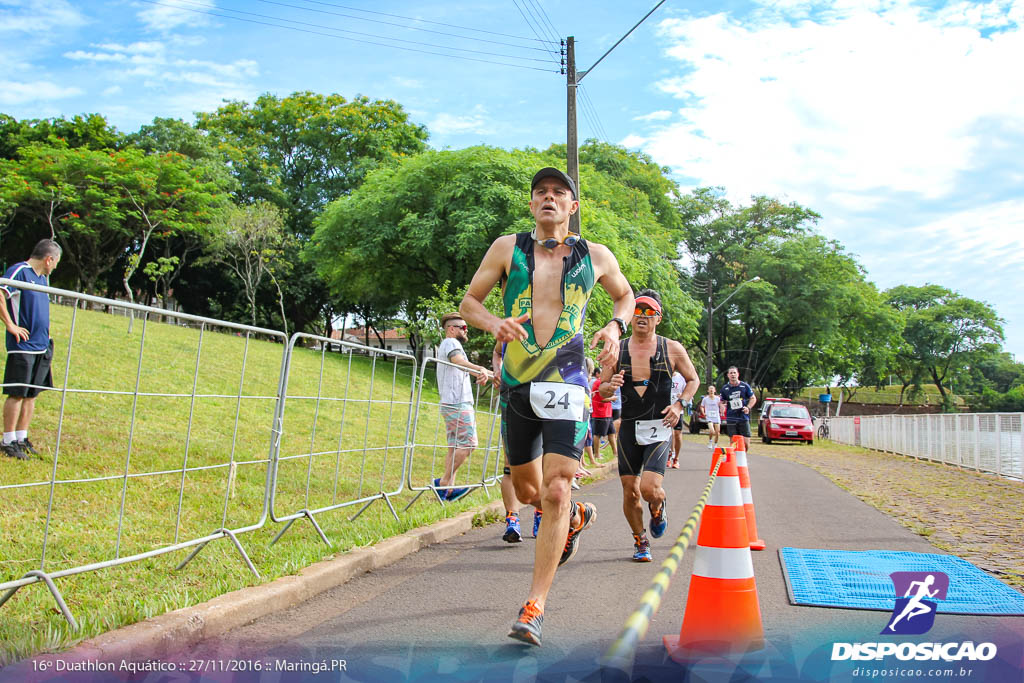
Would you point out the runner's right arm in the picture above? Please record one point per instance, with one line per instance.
(472, 309)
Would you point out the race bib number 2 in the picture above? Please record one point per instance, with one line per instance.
(557, 401)
(652, 431)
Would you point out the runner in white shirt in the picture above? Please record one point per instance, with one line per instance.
(678, 384)
(709, 408)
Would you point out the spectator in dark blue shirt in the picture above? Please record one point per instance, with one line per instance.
(26, 316)
(737, 400)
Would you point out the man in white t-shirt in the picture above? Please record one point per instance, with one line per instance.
(710, 411)
(678, 384)
(456, 402)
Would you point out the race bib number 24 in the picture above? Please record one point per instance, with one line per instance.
(557, 401)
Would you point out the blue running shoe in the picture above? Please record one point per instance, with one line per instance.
(455, 494)
(437, 492)
(512, 532)
(659, 522)
(641, 548)
(536, 521)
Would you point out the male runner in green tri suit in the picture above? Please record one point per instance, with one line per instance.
(545, 400)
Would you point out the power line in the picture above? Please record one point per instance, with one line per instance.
(368, 35)
(357, 40)
(391, 23)
(587, 102)
(425, 21)
(547, 20)
(535, 32)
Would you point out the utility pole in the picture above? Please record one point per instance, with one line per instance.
(572, 162)
(707, 366)
(572, 153)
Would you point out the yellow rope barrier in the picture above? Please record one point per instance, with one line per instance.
(620, 654)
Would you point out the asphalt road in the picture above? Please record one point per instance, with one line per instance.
(444, 612)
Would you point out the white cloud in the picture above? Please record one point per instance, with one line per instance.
(849, 99)
(994, 231)
(82, 55)
(141, 47)
(14, 93)
(38, 16)
(406, 82)
(654, 116)
(164, 18)
(112, 90)
(474, 122)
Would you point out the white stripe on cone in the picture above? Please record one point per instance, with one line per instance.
(741, 458)
(747, 498)
(723, 563)
(725, 495)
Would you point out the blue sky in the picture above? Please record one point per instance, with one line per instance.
(902, 123)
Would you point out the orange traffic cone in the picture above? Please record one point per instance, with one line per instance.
(740, 448)
(722, 613)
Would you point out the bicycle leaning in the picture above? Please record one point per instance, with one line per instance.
(823, 428)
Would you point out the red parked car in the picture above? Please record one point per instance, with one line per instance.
(765, 407)
(789, 422)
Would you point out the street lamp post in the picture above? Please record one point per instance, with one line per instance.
(711, 312)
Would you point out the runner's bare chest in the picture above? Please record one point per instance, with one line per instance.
(547, 291)
(640, 355)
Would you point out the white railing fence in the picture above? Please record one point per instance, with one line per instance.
(987, 442)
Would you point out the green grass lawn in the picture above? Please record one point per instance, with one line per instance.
(889, 395)
(140, 472)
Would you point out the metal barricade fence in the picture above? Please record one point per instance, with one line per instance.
(152, 454)
(987, 442)
(347, 434)
(429, 450)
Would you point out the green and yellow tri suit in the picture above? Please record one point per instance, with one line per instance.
(561, 360)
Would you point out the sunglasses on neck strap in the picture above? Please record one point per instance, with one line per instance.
(551, 242)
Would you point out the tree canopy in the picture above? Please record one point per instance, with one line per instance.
(430, 218)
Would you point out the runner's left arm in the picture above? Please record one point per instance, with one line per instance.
(614, 282)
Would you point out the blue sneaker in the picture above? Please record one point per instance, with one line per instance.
(455, 494)
(437, 492)
(536, 521)
(641, 548)
(659, 522)
(512, 532)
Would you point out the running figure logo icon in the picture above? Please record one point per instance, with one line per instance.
(914, 613)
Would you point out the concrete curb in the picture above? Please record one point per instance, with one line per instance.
(170, 633)
(175, 631)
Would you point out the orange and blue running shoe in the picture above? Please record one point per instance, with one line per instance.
(585, 514)
(536, 521)
(527, 627)
(641, 548)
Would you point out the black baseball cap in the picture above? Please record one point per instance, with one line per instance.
(550, 172)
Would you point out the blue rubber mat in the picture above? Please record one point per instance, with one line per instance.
(860, 580)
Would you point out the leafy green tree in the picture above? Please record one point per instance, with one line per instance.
(944, 332)
(811, 315)
(102, 206)
(301, 152)
(91, 131)
(251, 245)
